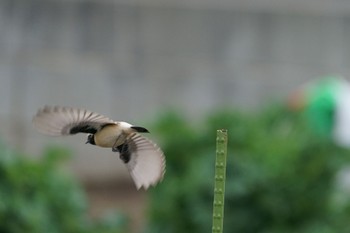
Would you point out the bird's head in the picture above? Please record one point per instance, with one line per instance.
(90, 139)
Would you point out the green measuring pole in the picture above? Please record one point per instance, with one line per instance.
(220, 178)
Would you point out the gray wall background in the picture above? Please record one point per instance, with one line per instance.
(132, 60)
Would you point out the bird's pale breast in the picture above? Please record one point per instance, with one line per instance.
(109, 136)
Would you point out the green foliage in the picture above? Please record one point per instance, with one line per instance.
(280, 176)
(36, 196)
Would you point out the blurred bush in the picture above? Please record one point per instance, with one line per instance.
(280, 176)
(38, 197)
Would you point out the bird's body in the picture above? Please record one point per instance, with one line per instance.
(111, 135)
(144, 159)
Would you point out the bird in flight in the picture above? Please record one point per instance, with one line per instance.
(144, 160)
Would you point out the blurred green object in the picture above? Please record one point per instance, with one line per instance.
(321, 104)
(38, 197)
(325, 104)
(281, 178)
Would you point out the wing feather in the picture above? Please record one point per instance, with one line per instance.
(56, 121)
(147, 161)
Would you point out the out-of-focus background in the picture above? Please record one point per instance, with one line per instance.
(181, 69)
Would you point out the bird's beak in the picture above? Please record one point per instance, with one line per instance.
(87, 142)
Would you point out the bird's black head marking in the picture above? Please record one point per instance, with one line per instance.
(140, 129)
(90, 139)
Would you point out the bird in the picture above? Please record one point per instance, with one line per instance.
(144, 160)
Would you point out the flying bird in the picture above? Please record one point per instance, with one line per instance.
(144, 160)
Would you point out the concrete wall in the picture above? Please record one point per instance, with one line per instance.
(132, 60)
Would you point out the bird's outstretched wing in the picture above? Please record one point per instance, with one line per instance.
(144, 160)
(56, 121)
